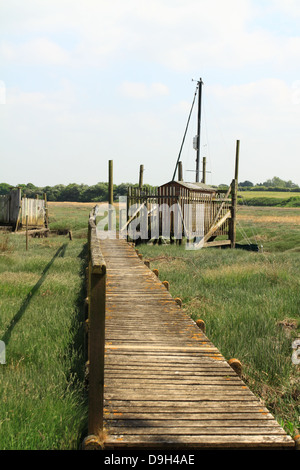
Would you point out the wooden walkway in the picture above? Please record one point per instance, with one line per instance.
(165, 384)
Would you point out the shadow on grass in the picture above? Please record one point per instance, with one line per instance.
(60, 253)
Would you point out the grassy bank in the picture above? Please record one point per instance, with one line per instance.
(249, 301)
(43, 400)
(269, 198)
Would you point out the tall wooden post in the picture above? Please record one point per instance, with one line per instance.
(200, 83)
(204, 170)
(180, 176)
(234, 190)
(237, 155)
(110, 193)
(141, 182)
(46, 211)
(26, 232)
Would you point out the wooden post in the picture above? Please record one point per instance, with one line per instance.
(26, 232)
(204, 170)
(232, 229)
(46, 210)
(236, 365)
(141, 181)
(237, 155)
(234, 190)
(110, 193)
(200, 323)
(200, 83)
(180, 177)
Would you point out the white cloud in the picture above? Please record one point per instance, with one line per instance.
(39, 51)
(181, 35)
(141, 90)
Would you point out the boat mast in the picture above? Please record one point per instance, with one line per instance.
(200, 83)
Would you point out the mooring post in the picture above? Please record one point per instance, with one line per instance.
(46, 211)
(234, 191)
(141, 182)
(26, 232)
(204, 170)
(180, 174)
(110, 193)
(237, 156)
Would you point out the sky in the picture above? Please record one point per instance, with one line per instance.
(85, 82)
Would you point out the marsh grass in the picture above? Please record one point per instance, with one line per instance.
(245, 299)
(43, 399)
(248, 301)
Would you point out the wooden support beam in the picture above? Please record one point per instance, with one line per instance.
(215, 226)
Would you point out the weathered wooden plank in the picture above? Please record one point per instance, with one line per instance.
(199, 442)
(239, 418)
(199, 430)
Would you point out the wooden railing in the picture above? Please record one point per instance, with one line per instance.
(96, 289)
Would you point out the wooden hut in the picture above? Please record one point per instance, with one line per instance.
(15, 211)
(192, 210)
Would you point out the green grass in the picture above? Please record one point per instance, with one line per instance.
(43, 399)
(250, 303)
(269, 194)
(269, 198)
(246, 299)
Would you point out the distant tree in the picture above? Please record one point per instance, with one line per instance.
(247, 184)
(277, 182)
(5, 188)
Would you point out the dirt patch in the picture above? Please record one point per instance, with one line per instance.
(289, 326)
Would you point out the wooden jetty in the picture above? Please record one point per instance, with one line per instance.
(164, 384)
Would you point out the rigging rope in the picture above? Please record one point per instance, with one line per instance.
(187, 125)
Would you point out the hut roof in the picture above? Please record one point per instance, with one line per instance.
(192, 186)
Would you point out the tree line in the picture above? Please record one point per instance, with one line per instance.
(72, 192)
(99, 192)
(274, 184)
